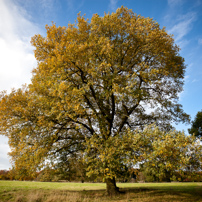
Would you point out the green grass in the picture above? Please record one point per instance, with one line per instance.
(23, 191)
(50, 185)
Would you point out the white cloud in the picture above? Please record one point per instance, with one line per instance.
(4, 149)
(183, 27)
(17, 58)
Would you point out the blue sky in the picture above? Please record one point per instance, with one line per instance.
(22, 19)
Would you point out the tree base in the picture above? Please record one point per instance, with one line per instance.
(112, 189)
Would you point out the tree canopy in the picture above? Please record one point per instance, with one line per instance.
(196, 127)
(94, 81)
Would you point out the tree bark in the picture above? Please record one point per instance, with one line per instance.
(112, 189)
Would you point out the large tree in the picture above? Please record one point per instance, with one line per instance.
(94, 80)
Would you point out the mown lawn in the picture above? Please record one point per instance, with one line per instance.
(21, 191)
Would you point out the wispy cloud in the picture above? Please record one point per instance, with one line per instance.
(70, 4)
(113, 5)
(48, 4)
(74, 6)
(17, 58)
(200, 41)
(195, 80)
(48, 7)
(174, 3)
(183, 26)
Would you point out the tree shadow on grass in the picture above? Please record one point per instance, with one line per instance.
(194, 194)
(153, 194)
(127, 194)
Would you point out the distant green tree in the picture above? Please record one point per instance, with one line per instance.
(170, 152)
(196, 127)
(4, 175)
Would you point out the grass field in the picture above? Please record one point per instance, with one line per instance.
(20, 191)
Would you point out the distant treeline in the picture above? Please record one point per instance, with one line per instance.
(134, 175)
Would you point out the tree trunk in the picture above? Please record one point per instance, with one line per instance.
(168, 176)
(112, 189)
